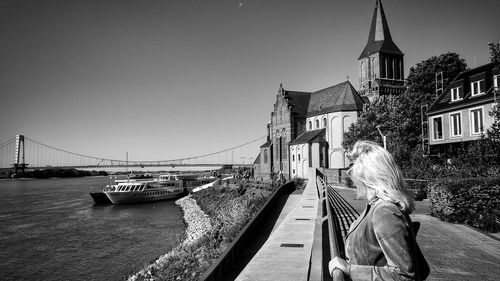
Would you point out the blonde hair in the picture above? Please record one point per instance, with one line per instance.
(376, 174)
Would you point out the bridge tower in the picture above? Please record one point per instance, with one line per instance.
(19, 158)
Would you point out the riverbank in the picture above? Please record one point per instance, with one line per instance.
(197, 223)
(213, 218)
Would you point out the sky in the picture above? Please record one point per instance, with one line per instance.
(166, 79)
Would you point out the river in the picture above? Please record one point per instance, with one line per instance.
(50, 229)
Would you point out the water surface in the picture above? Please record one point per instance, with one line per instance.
(51, 230)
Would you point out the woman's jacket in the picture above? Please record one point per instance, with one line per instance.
(380, 244)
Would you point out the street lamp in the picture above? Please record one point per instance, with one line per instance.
(384, 137)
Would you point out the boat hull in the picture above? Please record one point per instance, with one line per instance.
(134, 197)
(100, 198)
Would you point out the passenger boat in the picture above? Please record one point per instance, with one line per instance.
(140, 191)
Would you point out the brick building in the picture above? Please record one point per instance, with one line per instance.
(306, 129)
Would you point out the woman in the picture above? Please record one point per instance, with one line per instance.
(380, 244)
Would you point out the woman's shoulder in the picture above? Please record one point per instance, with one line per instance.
(387, 218)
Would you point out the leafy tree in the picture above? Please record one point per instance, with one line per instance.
(495, 53)
(400, 116)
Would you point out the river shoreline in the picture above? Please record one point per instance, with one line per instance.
(197, 223)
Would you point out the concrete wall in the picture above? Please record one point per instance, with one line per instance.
(299, 166)
(337, 124)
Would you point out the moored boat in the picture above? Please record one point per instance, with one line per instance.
(140, 191)
(100, 197)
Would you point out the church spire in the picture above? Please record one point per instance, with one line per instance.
(379, 39)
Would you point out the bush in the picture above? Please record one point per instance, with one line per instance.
(229, 206)
(475, 201)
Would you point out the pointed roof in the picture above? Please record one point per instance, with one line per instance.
(340, 97)
(379, 39)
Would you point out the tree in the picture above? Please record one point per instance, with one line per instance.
(400, 116)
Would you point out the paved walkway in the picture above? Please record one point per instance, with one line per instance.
(453, 251)
(287, 252)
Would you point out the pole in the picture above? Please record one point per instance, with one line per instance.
(384, 138)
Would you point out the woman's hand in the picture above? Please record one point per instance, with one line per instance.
(339, 263)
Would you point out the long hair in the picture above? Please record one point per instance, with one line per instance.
(376, 174)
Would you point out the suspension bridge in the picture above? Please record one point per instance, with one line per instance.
(21, 153)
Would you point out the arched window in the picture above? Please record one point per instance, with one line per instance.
(293, 158)
(374, 67)
(324, 122)
(310, 125)
(265, 155)
(317, 124)
(298, 157)
(362, 71)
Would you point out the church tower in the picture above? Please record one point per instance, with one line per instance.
(381, 65)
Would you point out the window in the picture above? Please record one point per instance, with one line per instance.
(324, 122)
(496, 81)
(476, 121)
(298, 157)
(477, 87)
(265, 155)
(310, 125)
(293, 171)
(437, 128)
(456, 94)
(455, 125)
(293, 158)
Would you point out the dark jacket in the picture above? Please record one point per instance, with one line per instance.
(381, 245)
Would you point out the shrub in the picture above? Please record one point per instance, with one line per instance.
(475, 201)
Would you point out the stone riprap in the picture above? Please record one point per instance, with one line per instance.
(198, 223)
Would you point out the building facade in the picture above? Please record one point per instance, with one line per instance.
(461, 113)
(381, 64)
(306, 129)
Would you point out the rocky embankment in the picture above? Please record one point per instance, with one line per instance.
(198, 224)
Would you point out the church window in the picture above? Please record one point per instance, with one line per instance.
(317, 124)
(298, 157)
(293, 158)
(374, 68)
(310, 125)
(390, 68)
(324, 122)
(293, 171)
(265, 155)
(362, 71)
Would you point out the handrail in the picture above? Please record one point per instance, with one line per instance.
(337, 274)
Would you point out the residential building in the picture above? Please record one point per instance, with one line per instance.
(461, 113)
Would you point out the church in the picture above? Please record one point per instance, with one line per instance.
(306, 129)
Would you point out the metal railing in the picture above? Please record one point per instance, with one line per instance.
(335, 215)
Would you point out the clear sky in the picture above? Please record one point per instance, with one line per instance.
(165, 79)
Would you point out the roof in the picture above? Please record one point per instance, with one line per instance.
(340, 97)
(257, 160)
(443, 102)
(298, 101)
(267, 144)
(379, 39)
(307, 136)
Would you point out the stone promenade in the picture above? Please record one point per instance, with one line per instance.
(453, 251)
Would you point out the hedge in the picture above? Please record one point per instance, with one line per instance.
(474, 201)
